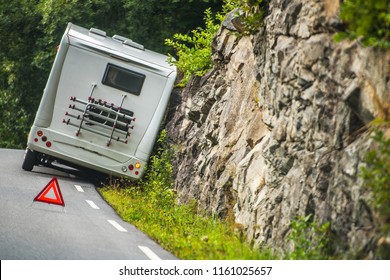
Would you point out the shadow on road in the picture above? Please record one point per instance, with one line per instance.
(65, 172)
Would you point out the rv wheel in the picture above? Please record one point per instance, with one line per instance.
(30, 159)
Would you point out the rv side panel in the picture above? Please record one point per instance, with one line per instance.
(46, 107)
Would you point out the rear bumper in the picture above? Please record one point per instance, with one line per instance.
(86, 155)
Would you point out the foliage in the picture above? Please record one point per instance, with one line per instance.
(55, 16)
(158, 181)
(152, 206)
(18, 98)
(251, 12)
(13, 121)
(310, 240)
(30, 31)
(162, 18)
(194, 52)
(376, 175)
(366, 20)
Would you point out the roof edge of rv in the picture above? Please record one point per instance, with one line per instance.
(124, 47)
(68, 27)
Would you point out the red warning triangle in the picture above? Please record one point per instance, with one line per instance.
(51, 193)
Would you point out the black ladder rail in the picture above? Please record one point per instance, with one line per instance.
(116, 119)
(78, 117)
(125, 125)
(86, 107)
(104, 115)
(106, 108)
(68, 122)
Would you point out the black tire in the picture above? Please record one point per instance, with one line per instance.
(30, 159)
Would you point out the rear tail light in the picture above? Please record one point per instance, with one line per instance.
(135, 167)
(43, 138)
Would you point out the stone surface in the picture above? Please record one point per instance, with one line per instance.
(277, 129)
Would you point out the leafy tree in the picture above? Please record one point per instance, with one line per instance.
(30, 30)
(13, 122)
(18, 96)
(367, 20)
(55, 14)
(151, 21)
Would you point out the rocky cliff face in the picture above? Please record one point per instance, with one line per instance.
(278, 128)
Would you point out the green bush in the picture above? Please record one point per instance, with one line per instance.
(366, 20)
(194, 52)
(376, 175)
(310, 239)
(251, 12)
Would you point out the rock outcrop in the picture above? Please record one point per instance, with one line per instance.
(278, 128)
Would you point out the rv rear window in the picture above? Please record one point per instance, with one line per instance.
(123, 79)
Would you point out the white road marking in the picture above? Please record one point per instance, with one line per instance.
(117, 226)
(92, 204)
(149, 253)
(79, 188)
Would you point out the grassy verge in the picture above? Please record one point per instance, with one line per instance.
(151, 206)
(179, 229)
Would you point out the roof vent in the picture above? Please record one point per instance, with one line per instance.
(130, 43)
(98, 32)
(120, 38)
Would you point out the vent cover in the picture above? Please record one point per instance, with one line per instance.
(98, 32)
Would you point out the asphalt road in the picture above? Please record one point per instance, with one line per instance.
(86, 228)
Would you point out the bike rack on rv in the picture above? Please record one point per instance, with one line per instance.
(102, 106)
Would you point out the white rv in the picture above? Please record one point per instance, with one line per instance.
(102, 106)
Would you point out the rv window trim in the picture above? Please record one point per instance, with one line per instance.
(128, 72)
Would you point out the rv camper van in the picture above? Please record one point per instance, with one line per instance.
(102, 105)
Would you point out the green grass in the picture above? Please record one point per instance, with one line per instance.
(179, 229)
